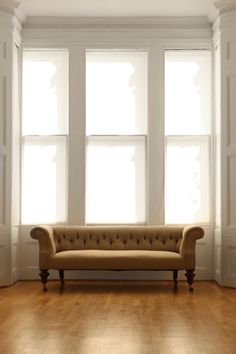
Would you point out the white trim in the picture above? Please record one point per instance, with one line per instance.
(130, 31)
(127, 23)
(225, 5)
(77, 136)
(155, 146)
(9, 6)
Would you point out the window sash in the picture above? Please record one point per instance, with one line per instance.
(187, 92)
(112, 196)
(45, 92)
(187, 180)
(116, 92)
(44, 179)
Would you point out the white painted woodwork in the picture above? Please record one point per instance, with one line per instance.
(155, 178)
(77, 140)
(228, 112)
(217, 158)
(54, 32)
(225, 141)
(5, 161)
(9, 144)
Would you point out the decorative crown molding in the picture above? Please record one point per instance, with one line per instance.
(9, 19)
(226, 15)
(187, 22)
(225, 5)
(9, 6)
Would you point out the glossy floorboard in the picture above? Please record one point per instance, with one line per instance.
(117, 318)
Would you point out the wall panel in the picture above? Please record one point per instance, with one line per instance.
(229, 262)
(231, 197)
(231, 109)
(228, 148)
(2, 188)
(9, 175)
(231, 50)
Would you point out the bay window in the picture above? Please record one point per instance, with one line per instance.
(119, 165)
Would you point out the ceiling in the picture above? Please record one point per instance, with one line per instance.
(93, 8)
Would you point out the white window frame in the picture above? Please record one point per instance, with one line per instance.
(155, 165)
(125, 135)
(45, 137)
(210, 136)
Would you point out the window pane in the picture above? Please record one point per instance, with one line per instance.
(187, 180)
(44, 180)
(116, 92)
(187, 92)
(115, 183)
(45, 80)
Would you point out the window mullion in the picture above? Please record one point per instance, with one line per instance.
(77, 140)
(155, 145)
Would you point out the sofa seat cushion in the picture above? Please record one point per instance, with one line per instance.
(115, 259)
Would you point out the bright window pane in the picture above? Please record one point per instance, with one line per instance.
(187, 92)
(116, 90)
(44, 180)
(115, 184)
(45, 76)
(187, 180)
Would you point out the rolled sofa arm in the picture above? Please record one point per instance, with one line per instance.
(47, 248)
(187, 247)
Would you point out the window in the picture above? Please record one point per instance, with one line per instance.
(116, 164)
(116, 128)
(187, 136)
(44, 141)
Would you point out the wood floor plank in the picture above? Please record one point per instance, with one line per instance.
(117, 317)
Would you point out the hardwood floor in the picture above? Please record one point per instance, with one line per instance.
(117, 318)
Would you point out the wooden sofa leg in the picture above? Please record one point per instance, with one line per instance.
(61, 275)
(190, 275)
(175, 278)
(44, 278)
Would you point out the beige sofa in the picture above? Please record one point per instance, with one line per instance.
(117, 248)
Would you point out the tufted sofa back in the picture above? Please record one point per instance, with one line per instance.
(156, 238)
